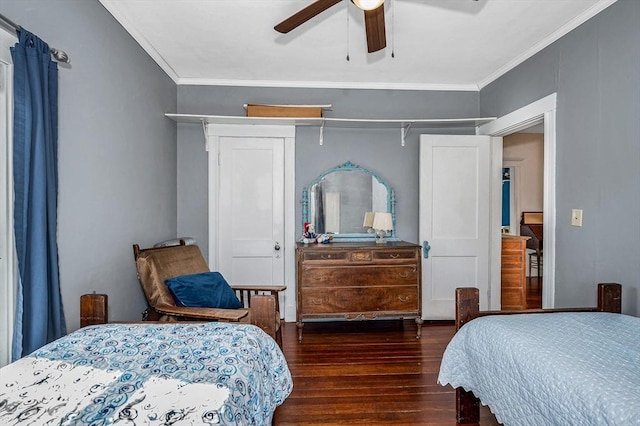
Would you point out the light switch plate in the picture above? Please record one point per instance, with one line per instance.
(576, 217)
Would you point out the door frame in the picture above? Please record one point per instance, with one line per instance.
(213, 134)
(540, 111)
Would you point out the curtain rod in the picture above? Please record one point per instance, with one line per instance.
(9, 25)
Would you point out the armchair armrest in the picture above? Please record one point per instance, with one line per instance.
(246, 292)
(259, 287)
(202, 313)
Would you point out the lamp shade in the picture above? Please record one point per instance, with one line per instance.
(368, 4)
(383, 221)
(368, 219)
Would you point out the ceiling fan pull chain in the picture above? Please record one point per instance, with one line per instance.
(393, 28)
(347, 30)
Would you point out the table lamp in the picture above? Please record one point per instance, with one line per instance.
(382, 222)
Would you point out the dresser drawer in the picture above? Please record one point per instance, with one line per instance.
(513, 299)
(345, 300)
(395, 254)
(512, 261)
(328, 255)
(512, 279)
(364, 276)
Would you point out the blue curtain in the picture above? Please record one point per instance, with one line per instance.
(39, 313)
(506, 197)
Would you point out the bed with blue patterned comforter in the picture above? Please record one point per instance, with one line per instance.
(147, 374)
(550, 369)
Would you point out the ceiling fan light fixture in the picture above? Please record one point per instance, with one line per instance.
(368, 4)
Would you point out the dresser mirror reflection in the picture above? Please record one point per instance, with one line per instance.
(337, 200)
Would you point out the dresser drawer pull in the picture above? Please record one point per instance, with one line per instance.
(325, 256)
(406, 274)
(403, 299)
(316, 302)
(394, 255)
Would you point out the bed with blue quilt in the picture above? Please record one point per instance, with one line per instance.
(149, 374)
(551, 368)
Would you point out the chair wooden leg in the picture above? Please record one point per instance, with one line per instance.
(539, 256)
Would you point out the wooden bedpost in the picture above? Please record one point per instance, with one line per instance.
(467, 308)
(467, 407)
(467, 305)
(610, 297)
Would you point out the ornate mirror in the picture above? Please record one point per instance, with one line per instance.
(337, 200)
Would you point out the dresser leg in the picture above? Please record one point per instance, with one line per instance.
(299, 324)
(419, 322)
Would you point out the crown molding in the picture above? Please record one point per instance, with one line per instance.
(328, 84)
(564, 30)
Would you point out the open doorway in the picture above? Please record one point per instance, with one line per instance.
(542, 111)
(523, 201)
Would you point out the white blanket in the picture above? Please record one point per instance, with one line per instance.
(550, 369)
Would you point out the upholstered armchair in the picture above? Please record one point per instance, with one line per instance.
(156, 265)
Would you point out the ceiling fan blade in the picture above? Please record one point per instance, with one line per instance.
(304, 15)
(374, 24)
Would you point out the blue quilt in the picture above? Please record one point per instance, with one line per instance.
(550, 369)
(141, 374)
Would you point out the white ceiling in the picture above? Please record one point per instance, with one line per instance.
(437, 44)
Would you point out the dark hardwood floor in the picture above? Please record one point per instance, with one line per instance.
(534, 292)
(372, 373)
(368, 373)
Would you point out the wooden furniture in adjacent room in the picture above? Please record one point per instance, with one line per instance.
(513, 276)
(531, 225)
(358, 281)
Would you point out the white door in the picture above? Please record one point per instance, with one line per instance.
(455, 221)
(251, 210)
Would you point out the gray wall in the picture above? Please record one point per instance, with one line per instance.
(117, 151)
(595, 70)
(376, 149)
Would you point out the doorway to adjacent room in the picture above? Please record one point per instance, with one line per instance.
(541, 112)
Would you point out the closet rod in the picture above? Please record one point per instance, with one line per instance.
(9, 25)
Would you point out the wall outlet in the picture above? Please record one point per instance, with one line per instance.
(576, 217)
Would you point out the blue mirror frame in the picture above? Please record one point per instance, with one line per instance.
(349, 167)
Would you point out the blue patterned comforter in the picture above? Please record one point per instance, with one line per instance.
(141, 374)
(550, 369)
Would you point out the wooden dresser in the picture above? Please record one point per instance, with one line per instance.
(358, 281)
(514, 280)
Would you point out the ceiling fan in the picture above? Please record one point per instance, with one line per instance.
(373, 20)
